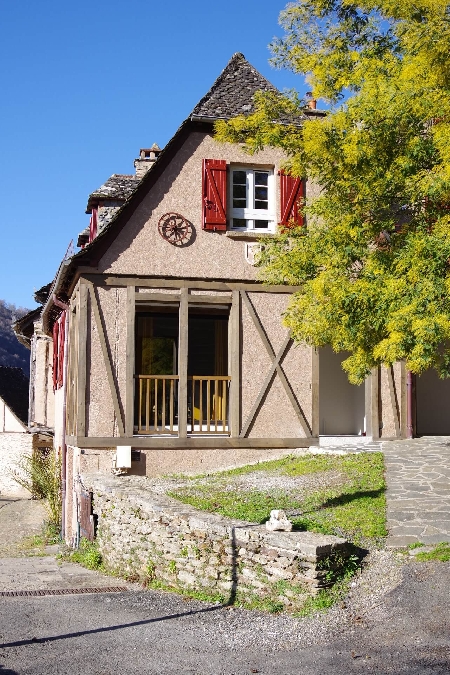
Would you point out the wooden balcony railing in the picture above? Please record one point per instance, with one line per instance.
(208, 404)
(157, 404)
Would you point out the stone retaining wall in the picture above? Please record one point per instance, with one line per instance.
(156, 539)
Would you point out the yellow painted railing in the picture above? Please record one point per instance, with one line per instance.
(157, 404)
(208, 404)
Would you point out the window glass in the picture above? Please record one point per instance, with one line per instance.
(252, 199)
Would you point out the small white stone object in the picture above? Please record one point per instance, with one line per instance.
(278, 521)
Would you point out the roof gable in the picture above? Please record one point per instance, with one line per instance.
(118, 187)
(232, 93)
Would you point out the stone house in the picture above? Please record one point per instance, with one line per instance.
(167, 353)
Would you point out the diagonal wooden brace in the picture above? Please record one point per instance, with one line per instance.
(276, 368)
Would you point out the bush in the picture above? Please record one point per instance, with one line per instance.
(40, 474)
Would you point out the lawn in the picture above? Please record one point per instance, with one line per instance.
(333, 494)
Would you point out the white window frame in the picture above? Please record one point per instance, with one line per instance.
(249, 213)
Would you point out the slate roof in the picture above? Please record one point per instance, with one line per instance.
(14, 391)
(232, 93)
(118, 187)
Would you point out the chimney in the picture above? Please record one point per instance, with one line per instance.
(311, 103)
(147, 157)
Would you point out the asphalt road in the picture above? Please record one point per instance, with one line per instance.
(158, 633)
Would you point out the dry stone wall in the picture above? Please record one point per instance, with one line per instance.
(153, 538)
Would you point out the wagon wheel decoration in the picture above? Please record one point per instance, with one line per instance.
(175, 229)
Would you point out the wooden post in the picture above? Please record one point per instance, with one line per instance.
(183, 363)
(235, 365)
(315, 405)
(130, 361)
(372, 405)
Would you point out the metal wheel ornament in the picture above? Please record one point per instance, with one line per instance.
(175, 229)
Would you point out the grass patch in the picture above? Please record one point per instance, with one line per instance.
(440, 552)
(34, 545)
(354, 509)
(87, 555)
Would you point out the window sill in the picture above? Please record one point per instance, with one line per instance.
(249, 235)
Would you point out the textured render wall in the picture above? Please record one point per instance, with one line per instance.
(139, 249)
(160, 462)
(148, 536)
(101, 418)
(12, 447)
(276, 417)
(59, 403)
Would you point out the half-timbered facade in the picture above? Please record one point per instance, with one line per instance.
(168, 353)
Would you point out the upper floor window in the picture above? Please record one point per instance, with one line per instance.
(252, 199)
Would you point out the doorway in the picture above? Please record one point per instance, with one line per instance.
(341, 404)
(432, 405)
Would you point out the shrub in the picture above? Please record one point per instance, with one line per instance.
(40, 474)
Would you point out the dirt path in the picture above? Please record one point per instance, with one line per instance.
(19, 518)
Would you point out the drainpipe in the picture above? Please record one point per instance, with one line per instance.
(409, 405)
(64, 307)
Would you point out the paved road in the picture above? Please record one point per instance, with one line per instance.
(158, 634)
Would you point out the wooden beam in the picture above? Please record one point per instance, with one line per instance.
(265, 386)
(155, 297)
(146, 282)
(372, 404)
(81, 359)
(182, 362)
(175, 298)
(315, 404)
(403, 401)
(235, 365)
(130, 362)
(394, 401)
(281, 374)
(190, 443)
(106, 359)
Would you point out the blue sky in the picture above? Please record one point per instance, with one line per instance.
(84, 86)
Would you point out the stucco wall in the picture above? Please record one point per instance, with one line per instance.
(101, 418)
(276, 417)
(12, 447)
(139, 249)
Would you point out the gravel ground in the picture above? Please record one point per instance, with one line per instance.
(260, 480)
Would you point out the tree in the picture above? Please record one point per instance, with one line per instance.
(374, 261)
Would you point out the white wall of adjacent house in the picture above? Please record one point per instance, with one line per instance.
(14, 443)
(8, 421)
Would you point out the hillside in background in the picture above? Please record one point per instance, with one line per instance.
(12, 353)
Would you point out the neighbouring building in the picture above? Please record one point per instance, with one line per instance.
(158, 349)
(15, 441)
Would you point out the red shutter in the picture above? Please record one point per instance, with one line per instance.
(292, 190)
(214, 189)
(93, 225)
(55, 354)
(62, 335)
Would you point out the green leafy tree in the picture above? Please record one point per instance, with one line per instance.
(374, 261)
